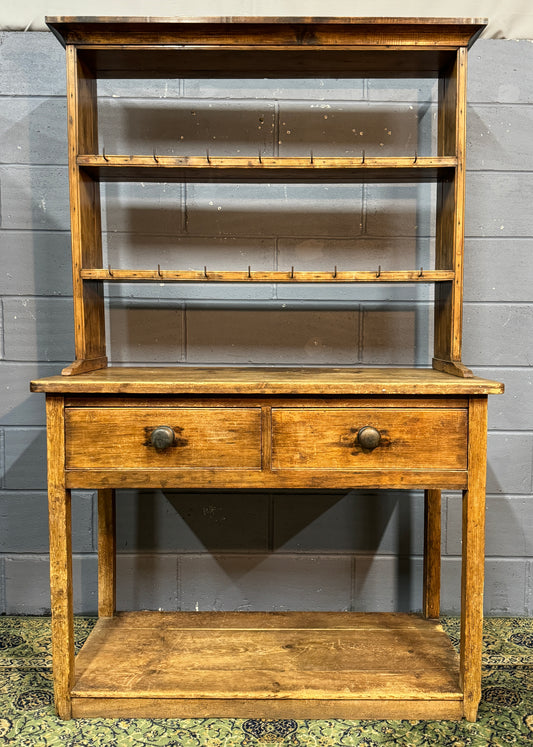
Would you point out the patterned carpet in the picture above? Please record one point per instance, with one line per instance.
(27, 716)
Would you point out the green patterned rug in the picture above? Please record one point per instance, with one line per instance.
(27, 716)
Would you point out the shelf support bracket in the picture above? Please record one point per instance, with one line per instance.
(84, 365)
(455, 368)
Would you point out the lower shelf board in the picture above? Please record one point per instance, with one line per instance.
(267, 665)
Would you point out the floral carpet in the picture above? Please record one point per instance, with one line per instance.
(27, 717)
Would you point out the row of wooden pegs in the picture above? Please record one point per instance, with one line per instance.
(260, 157)
(334, 274)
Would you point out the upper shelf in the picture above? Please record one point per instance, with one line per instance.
(270, 276)
(266, 47)
(170, 168)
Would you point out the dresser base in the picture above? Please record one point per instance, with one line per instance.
(267, 665)
(267, 429)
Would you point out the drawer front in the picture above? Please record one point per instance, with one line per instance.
(205, 437)
(327, 439)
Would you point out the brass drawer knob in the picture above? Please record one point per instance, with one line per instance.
(162, 437)
(368, 437)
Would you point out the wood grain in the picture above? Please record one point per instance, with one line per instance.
(450, 214)
(153, 167)
(308, 620)
(257, 380)
(212, 438)
(256, 479)
(268, 31)
(455, 368)
(106, 553)
(86, 231)
(83, 365)
(432, 553)
(473, 557)
(294, 443)
(155, 401)
(326, 439)
(59, 513)
(451, 710)
(112, 275)
(295, 658)
(266, 162)
(241, 664)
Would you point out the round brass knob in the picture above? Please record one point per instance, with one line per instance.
(369, 437)
(162, 437)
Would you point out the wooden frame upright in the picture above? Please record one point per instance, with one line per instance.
(86, 225)
(450, 219)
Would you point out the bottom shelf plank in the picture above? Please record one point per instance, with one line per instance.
(431, 710)
(288, 665)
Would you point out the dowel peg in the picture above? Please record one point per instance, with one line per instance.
(159, 270)
(363, 156)
(260, 159)
(335, 272)
(249, 271)
(207, 156)
(106, 159)
(155, 157)
(109, 271)
(378, 273)
(205, 271)
(311, 157)
(416, 157)
(421, 271)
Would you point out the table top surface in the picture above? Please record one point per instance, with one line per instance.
(269, 381)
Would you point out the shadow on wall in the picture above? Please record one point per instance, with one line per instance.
(237, 128)
(238, 541)
(240, 550)
(270, 334)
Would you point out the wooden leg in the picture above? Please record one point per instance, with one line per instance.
(432, 553)
(106, 553)
(59, 504)
(472, 574)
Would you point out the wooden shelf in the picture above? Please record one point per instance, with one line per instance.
(172, 168)
(281, 665)
(274, 276)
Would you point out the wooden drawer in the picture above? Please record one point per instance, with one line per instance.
(206, 437)
(411, 439)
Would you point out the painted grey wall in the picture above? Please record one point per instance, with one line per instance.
(360, 550)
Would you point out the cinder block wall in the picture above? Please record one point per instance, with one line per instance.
(360, 550)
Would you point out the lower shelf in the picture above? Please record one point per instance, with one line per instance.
(267, 665)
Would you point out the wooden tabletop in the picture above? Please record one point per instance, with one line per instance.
(308, 381)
